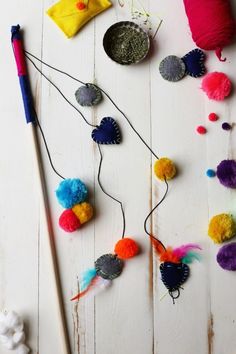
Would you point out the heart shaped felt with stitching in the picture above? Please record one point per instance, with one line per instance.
(174, 275)
(107, 132)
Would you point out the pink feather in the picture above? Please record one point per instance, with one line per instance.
(182, 251)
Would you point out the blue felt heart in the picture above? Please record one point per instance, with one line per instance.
(174, 275)
(107, 132)
(194, 62)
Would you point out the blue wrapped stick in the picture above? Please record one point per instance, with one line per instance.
(31, 120)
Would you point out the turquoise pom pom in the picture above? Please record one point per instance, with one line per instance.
(71, 192)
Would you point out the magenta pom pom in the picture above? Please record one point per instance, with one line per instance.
(226, 173)
(226, 256)
(217, 86)
(68, 221)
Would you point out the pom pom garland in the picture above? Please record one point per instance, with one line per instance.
(217, 86)
(88, 95)
(164, 168)
(221, 228)
(68, 221)
(126, 248)
(180, 254)
(71, 192)
(211, 23)
(83, 211)
(106, 268)
(174, 265)
(226, 256)
(226, 173)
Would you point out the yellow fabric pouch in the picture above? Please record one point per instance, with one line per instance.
(72, 15)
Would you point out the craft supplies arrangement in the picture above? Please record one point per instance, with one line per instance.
(127, 43)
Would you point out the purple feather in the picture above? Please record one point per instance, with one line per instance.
(183, 251)
(226, 172)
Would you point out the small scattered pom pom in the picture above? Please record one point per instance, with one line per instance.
(68, 221)
(201, 130)
(221, 228)
(226, 256)
(216, 85)
(226, 173)
(126, 248)
(226, 126)
(83, 211)
(210, 173)
(164, 168)
(213, 117)
(71, 192)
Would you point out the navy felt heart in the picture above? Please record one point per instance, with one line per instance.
(107, 132)
(174, 275)
(194, 62)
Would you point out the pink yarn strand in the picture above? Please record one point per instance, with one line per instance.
(218, 52)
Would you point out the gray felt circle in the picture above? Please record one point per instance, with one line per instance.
(88, 95)
(172, 68)
(109, 266)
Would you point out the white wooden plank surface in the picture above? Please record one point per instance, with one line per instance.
(130, 317)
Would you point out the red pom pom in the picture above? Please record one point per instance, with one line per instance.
(201, 130)
(80, 5)
(213, 117)
(68, 221)
(126, 248)
(216, 85)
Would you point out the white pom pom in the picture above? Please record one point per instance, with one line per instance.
(14, 321)
(22, 349)
(19, 337)
(7, 341)
(3, 328)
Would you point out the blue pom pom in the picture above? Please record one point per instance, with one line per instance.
(210, 173)
(71, 192)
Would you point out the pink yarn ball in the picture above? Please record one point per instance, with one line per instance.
(68, 221)
(211, 23)
(216, 85)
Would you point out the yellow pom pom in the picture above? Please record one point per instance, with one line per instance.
(83, 211)
(221, 228)
(164, 168)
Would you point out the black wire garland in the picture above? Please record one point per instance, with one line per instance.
(27, 54)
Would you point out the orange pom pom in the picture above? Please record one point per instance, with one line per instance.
(126, 248)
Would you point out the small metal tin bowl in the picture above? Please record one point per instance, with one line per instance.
(126, 43)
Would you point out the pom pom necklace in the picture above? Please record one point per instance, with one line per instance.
(174, 269)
